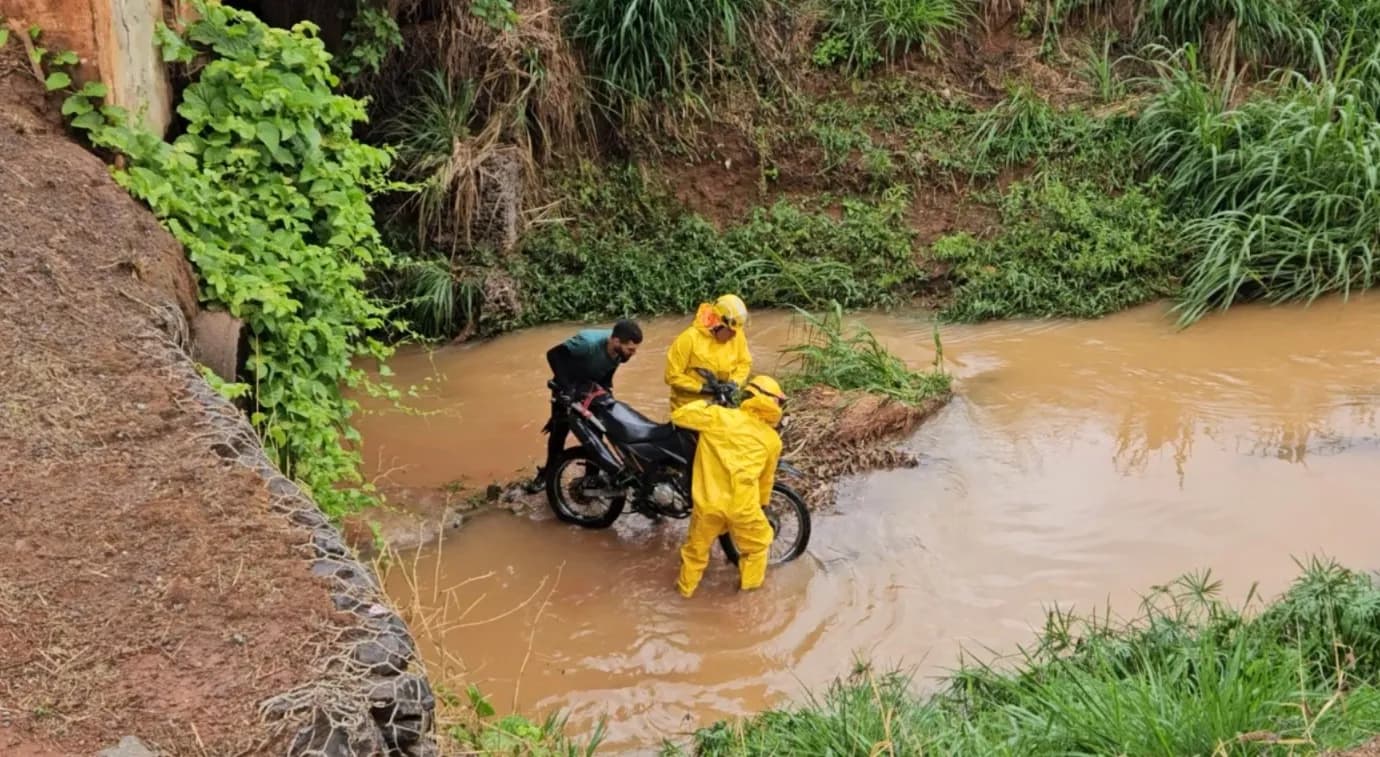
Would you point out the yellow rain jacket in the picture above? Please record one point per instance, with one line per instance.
(735, 467)
(697, 348)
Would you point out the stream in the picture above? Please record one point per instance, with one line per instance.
(1079, 464)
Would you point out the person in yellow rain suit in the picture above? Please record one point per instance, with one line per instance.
(735, 467)
(715, 341)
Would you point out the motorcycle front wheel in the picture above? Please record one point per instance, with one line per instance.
(582, 494)
(790, 525)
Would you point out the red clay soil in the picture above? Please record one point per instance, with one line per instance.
(145, 587)
(725, 183)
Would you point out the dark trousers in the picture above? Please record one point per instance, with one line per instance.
(555, 443)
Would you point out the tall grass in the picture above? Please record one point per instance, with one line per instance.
(832, 354)
(642, 51)
(431, 134)
(1191, 675)
(1283, 191)
(1234, 30)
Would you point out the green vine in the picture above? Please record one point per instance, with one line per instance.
(267, 189)
(372, 35)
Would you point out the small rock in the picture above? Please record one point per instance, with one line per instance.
(328, 543)
(280, 486)
(351, 574)
(129, 746)
(386, 655)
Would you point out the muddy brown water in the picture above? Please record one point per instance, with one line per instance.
(1080, 464)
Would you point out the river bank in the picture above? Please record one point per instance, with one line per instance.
(163, 585)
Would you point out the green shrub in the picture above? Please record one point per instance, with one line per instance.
(631, 250)
(862, 33)
(372, 36)
(267, 190)
(1281, 194)
(1064, 251)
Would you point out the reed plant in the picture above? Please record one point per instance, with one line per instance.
(833, 353)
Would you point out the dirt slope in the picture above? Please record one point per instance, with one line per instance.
(145, 586)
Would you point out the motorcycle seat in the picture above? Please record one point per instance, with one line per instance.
(627, 425)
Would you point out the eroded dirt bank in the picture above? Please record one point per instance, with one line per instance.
(159, 579)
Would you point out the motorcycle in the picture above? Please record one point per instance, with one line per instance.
(625, 457)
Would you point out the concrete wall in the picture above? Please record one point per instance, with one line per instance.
(115, 41)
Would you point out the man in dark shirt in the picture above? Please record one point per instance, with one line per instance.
(588, 358)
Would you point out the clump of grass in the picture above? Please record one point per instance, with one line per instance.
(1190, 675)
(650, 51)
(435, 153)
(1100, 70)
(859, 34)
(1281, 192)
(925, 135)
(1020, 127)
(1233, 31)
(834, 355)
(1064, 251)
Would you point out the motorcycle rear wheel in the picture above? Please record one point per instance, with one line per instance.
(786, 508)
(566, 501)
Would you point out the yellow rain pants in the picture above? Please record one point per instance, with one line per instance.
(696, 347)
(735, 467)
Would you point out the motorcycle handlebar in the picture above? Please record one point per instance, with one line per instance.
(721, 391)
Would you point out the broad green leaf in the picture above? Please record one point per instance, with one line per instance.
(479, 702)
(65, 58)
(76, 105)
(89, 120)
(268, 134)
(57, 80)
(94, 89)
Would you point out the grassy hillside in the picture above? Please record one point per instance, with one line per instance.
(978, 154)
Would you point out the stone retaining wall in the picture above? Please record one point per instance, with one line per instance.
(371, 696)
